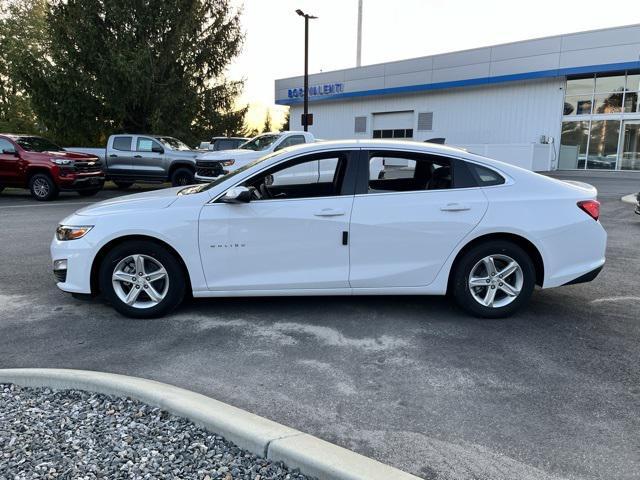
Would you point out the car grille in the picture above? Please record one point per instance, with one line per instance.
(61, 275)
(88, 167)
(209, 168)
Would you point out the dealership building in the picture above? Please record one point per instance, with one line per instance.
(566, 102)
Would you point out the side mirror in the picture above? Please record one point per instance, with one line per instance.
(10, 151)
(155, 149)
(236, 195)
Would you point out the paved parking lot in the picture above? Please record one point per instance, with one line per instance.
(551, 393)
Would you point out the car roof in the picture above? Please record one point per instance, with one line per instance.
(414, 146)
(229, 138)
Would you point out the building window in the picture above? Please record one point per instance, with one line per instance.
(395, 133)
(600, 115)
(360, 125)
(573, 145)
(603, 144)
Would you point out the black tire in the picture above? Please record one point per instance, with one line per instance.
(88, 193)
(1, 188)
(461, 290)
(182, 176)
(123, 185)
(176, 276)
(43, 188)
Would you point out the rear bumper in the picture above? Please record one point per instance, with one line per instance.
(587, 277)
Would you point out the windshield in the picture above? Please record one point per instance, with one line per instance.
(173, 143)
(261, 142)
(38, 144)
(223, 178)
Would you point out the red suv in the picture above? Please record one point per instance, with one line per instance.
(27, 161)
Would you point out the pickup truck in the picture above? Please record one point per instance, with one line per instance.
(210, 165)
(28, 161)
(131, 158)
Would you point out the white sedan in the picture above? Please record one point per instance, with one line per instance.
(378, 218)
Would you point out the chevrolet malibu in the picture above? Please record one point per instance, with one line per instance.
(339, 218)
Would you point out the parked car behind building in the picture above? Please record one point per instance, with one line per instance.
(28, 161)
(145, 158)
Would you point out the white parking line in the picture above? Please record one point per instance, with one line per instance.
(616, 299)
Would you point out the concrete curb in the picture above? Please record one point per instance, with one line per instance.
(631, 198)
(263, 437)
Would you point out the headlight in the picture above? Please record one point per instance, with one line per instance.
(67, 232)
(62, 161)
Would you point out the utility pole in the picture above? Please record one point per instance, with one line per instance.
(359, 48)
(305, 116)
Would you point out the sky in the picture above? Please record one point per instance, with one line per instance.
(393, 30)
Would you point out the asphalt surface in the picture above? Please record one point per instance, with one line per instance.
(551, 393)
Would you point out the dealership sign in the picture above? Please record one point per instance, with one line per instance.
(317, 90)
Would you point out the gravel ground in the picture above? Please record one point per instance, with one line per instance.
(48, 434)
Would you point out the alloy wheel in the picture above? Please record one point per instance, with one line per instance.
(41, 187)
(140, 281)
(496, 281)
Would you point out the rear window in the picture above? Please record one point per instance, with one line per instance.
(122, 143)
(485, 176)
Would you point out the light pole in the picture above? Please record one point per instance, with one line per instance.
(305, 115)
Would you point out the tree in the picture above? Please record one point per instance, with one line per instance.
(285, 125)
(156, 66)
(267, 123)
(19, 18)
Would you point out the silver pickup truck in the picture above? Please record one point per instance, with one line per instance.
(145, 158)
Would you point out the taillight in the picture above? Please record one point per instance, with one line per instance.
(592, 207)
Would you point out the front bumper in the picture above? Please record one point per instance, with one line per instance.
(82, 182)
(78, 254)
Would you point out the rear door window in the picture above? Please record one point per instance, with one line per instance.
(391, 171)
(122, 143)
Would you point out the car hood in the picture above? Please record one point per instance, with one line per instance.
(231, 154)
(139, 201)
(65, 154)
(188, 154)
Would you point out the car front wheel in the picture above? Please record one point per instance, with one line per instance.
(493, 279)
(142, 279)
(42, 187)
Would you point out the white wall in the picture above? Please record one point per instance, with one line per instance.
(508, 113)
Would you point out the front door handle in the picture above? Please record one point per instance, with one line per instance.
(137, 156)
(329, 212)
(113, 155)
(455, 207)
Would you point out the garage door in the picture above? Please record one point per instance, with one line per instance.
(393, 125)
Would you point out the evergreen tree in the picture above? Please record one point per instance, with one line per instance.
(150, 66)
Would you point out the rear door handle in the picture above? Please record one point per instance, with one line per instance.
(455, 207)
(137, 156)
(328, 212)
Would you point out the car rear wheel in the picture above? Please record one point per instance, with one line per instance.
(42, 187)
(123, 185)
(142, 279)
(493, 279)
(182, 177)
